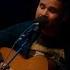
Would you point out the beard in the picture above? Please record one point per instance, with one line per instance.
(52, 33)
(48, 29)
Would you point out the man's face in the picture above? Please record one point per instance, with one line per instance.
(52, 10)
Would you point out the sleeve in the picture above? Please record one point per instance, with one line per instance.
(9, 35)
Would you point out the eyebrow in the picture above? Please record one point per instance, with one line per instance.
(53, 8)
(56, 9)
(42, 4)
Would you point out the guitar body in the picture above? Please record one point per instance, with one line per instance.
(20, 63)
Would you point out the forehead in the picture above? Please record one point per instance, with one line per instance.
(54, 3)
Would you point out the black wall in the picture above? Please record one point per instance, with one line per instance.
(15, 11)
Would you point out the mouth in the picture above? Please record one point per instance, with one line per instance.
(46, 28)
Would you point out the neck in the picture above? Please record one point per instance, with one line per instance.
(47, 41)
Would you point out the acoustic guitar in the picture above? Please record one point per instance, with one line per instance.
(39, 62)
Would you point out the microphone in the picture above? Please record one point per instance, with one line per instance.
(26, 39)
(30, 31)
(29, 35)
(33, 31)
(42, 20)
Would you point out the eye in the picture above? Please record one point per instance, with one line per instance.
(42, 6)
(53, 10)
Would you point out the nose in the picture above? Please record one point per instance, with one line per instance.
(44, 12)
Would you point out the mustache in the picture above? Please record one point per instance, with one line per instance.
(44, 23)
(42, 20)
(59, 26)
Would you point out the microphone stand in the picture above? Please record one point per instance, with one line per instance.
(25, 35)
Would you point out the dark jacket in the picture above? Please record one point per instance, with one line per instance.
(8, 36)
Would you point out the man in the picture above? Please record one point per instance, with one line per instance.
(51, 32)
(53, 17)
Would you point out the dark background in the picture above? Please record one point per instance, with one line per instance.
(16, 11)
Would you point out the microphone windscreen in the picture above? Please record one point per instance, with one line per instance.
(42, 20)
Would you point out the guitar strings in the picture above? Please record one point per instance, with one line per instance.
(27, 30)
(18, 40)
(4, 65)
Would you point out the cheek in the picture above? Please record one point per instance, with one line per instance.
(52, 17)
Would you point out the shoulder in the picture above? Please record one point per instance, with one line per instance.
(18, 26)
(10, 34)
